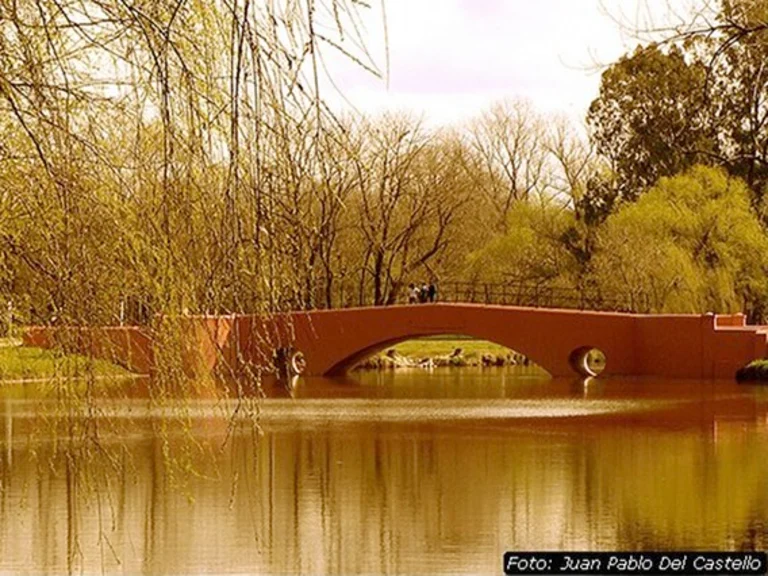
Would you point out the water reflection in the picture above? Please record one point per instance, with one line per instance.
(370, 475)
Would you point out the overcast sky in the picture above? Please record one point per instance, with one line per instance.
(449, 59)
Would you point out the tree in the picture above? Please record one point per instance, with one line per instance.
(147, 144)
(581, 177)
(651, 118)
(728, 41)
(691, 243)
(409, 192)
(530, 252)
(738, 87)
(509, 155)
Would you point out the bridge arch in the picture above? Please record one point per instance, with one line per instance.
(334, 340)
(345, 364)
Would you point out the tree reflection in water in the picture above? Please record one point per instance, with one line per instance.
(188, 491)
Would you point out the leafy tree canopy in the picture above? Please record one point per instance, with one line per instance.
(650, 117)
(690, 243)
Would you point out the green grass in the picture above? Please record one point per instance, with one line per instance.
(442, 352)
(22, 363)
(432, 347)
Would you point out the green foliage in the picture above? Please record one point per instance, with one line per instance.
(18, 362)
(531, 250)
(651, 119)
(432, 347)
(690, 244)
(699, 97)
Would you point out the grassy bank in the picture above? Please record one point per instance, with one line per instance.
(22, 363)
(455, 352)
(430, 347)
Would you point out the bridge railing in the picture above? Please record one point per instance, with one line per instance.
(539, 296)
(516, 294)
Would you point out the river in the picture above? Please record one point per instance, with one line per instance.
(406, 472)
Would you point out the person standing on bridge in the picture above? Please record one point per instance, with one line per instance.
(432, 292)
(424, 293)
(413, 293)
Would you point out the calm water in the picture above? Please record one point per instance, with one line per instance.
(412, 472)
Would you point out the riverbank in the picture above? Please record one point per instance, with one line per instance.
(443, 352)
(20, 364)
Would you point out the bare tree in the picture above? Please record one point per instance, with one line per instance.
(509, 159)
(573, 159)
(407, 202)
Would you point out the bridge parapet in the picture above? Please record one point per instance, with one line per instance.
(723, 320)
(331, 341)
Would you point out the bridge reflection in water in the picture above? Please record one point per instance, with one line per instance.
(375, 485)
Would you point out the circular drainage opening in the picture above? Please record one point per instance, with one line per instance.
(298, 363)
(588, 361)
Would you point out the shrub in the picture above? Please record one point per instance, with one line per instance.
(756, 371)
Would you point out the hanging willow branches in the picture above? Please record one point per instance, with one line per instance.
(143, 145)
(149, 151)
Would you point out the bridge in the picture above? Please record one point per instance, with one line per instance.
(554, 328)
(677, 346)
(328, 342)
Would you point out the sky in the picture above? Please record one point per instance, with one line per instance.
(450, 59)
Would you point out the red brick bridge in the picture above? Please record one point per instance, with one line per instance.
(327, 342)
